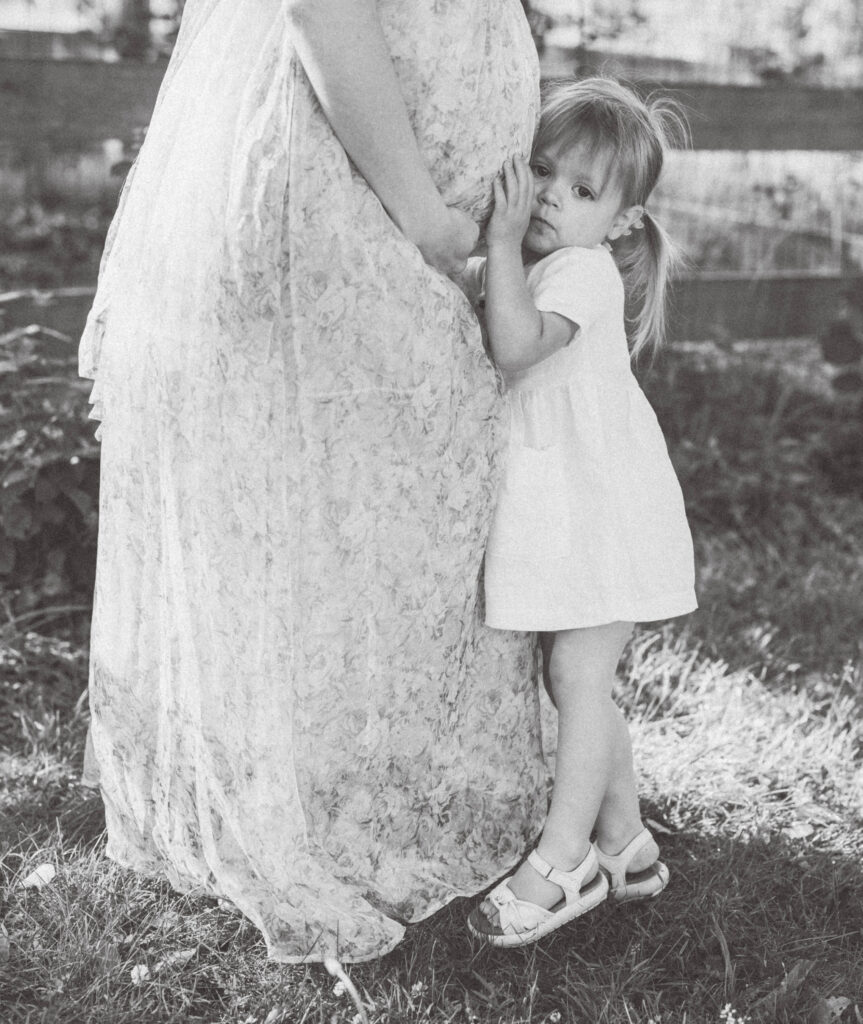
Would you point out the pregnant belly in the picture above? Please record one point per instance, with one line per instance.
(469, 74)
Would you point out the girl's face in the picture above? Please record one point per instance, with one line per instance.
(577, 201)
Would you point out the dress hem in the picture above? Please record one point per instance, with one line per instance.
(273, 953)
(657, 611)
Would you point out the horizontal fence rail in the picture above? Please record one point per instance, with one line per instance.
(758, 117)
(59, 106)
(68, 101)
(711, 307)
(723, 306)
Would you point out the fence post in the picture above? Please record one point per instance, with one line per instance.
(132, 36)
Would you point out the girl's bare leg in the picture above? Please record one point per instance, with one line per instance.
(619, 818)
(594, 778)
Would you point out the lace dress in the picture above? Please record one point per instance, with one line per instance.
(294, 702)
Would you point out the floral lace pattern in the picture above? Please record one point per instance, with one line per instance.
(295, 703)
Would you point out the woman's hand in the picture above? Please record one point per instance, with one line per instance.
(448, 248)
(513, 202)
(342, 48)
(445, 239)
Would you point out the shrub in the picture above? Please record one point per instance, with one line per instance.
(49, 475)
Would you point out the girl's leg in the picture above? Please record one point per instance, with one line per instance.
(619, 818)
(593, 771)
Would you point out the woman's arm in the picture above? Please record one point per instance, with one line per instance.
(343, 50)
(519, 334)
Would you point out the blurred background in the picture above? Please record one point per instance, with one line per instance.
(767, 205)
(798, 206)
(745, 716)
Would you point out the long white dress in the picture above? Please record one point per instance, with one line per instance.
(295, 704)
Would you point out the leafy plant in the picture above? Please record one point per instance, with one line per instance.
(48, 475)
(755, 440)
(45, 247)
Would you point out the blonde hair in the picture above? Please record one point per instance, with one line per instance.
(612, 120)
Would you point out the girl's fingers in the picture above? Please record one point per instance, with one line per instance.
(529, 185)
(510, 181)
(525, 179)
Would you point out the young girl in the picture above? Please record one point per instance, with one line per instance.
(589, 535)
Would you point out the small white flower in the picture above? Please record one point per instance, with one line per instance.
(728, 1015)
(339, 989)
(417, 989)
(554, 1017)
(139, 974)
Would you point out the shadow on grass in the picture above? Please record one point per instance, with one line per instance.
(771, 928)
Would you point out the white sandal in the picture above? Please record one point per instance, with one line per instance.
(521, 922)
(637, 885)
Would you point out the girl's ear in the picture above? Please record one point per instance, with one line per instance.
(625, 221)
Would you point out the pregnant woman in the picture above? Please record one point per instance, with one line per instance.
(294, 702)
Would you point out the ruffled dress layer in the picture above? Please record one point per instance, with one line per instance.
(295, 704)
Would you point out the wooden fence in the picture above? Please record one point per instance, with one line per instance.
(57, 106)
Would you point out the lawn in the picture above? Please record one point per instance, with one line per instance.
(748, 734)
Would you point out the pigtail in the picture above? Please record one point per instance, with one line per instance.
(647, 267)
(653, 259)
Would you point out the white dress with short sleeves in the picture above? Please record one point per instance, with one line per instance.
(590, 525)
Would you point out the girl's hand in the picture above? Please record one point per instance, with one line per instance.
(446, 239)
(513, 201)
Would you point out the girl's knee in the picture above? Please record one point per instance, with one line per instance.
(584, 661)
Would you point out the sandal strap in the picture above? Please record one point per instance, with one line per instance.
(616, 864)
(572, 882)
(520, 918)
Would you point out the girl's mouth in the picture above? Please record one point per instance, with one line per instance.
(540, 222)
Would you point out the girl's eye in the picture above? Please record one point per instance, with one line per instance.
(539, 170)
(582, 191)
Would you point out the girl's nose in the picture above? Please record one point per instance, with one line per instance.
(547, 194)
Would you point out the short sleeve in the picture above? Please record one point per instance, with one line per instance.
(579, 284)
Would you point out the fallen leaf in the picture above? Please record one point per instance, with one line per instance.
(40, 877)
(4, 944)
(139, 974)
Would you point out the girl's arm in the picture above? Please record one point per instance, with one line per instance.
(343, 51)
(519, 334)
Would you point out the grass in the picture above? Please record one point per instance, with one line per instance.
(748, 735)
